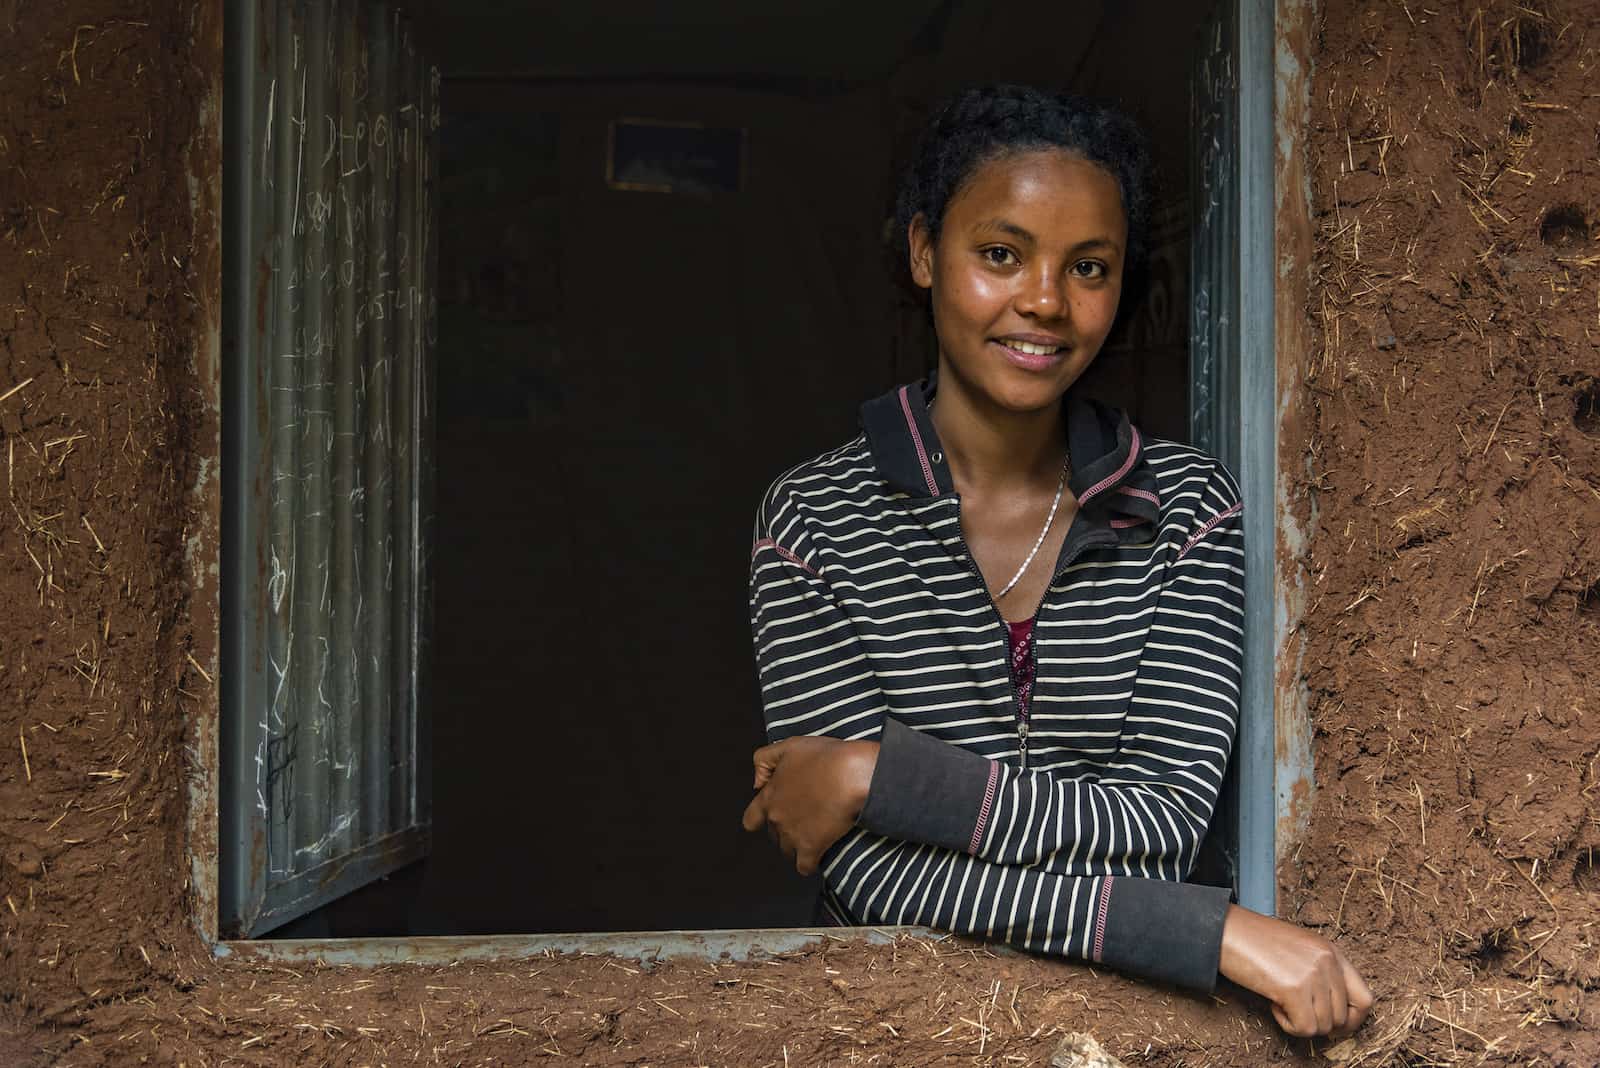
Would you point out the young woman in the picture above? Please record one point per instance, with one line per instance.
(999, 632)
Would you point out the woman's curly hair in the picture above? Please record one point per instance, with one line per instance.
(979, 125)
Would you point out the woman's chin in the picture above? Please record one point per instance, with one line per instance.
(1028, 398)
(1021, 392)
(1018, 390)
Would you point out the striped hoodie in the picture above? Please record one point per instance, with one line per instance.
(1068, 832)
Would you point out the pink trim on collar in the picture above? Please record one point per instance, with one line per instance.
(1143, 495)
(916, 436)
(1120, 473)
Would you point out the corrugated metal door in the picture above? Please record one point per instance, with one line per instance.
(329, 194)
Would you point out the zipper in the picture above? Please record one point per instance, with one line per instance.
(1022, 725)
(1005, 639)
(1066, 561)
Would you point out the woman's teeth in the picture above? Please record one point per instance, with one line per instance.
(1032, 349)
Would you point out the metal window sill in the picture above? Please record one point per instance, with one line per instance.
(643, 946)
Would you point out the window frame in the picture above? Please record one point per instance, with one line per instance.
(1233, 377)
(1271, 61)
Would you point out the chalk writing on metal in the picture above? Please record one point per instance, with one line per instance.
(345, 114)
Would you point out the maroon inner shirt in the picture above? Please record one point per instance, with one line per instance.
(1021, 635)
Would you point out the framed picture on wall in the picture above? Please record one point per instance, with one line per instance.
(655, 156)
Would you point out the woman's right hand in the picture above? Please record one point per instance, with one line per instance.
(1312, 987)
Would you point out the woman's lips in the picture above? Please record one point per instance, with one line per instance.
(1030, 361)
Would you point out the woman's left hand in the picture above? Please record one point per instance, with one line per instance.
(1313, 988)
(811, 791)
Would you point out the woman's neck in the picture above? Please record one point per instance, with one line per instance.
(993, 448)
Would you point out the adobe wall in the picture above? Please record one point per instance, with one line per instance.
(1451, 435)
(108, 442)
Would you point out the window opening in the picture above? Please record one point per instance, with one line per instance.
(570, 752)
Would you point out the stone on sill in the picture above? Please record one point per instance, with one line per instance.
(1080, 1050)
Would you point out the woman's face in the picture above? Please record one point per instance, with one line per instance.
(1025, 275)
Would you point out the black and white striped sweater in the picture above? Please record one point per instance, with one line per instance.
(1069, 832)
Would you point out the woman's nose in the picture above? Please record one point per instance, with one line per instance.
(1042, 296)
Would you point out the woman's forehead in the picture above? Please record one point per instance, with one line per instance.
(1040, 191)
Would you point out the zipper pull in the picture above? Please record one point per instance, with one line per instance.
(1022, 744)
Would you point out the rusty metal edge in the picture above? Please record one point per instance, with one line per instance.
(645, 946)
(1295, 38)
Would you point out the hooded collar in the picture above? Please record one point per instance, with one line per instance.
(1110, 478)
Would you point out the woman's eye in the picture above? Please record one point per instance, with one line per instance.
(999, 257)
(1089, 269)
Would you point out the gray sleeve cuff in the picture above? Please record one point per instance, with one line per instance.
(924, 790)
(1166, 931)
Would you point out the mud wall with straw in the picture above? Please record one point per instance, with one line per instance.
(108, 455)
(1451, 434)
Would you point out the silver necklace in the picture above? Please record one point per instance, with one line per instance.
(1049, 520)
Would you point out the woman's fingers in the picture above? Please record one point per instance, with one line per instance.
(769, 755)
(1319, 1012)
(766, 761)
(1360, 995)
(806, 861)
(785, 841)
(1339, 995)
(1315, 1003)
(806, 858)
(1297, 1016)
(1323, 1009)
(803, 856)
(1333, 1001)
(755, 813)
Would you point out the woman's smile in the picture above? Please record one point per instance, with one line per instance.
(1033, 352)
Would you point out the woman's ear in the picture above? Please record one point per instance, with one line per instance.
(920, 243)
